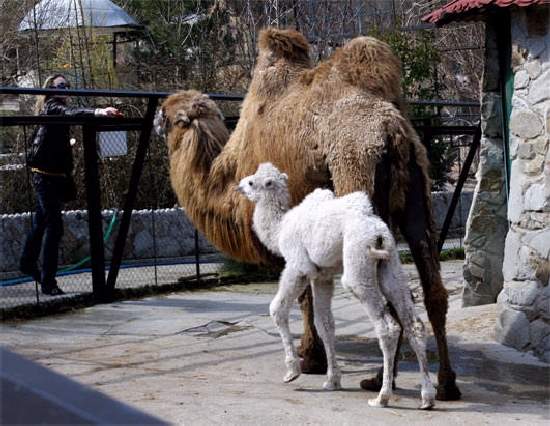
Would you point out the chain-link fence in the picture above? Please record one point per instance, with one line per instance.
(161, 246)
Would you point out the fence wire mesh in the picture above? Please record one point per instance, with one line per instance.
(162, 246)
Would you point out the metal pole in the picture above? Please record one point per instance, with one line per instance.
(28, 175)
(461, 179)
(197, 257)
(95, 222)
(137, 168)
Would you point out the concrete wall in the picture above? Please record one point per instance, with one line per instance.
(524, 303)
(173, 231)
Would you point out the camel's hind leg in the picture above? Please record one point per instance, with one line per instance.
(393, 282)
(290, 286)
(361, 277)
(387, 330)
(417, 340)
(416, 225)
(323, 289)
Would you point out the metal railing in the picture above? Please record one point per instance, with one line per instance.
(102, 285)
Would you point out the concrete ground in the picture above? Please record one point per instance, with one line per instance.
(214, 357)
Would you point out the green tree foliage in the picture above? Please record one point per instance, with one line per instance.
(419, 59)
(189, 43)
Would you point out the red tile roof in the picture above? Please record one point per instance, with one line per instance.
(457, 9)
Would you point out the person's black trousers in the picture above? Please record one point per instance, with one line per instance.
(47, 227)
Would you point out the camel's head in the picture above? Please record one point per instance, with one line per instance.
(182, 108)
(267, 182)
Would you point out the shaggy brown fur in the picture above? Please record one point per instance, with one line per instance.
(328, 126)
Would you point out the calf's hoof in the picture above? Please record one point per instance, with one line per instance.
(447, 390)
(381, 401)
(293, 372)
(427, 404)
(290, 376)
(332, 385)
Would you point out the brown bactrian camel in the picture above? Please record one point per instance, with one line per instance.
(337, 125)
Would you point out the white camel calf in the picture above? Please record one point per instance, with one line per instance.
(320, 237)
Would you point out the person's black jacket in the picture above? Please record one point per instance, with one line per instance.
(51, 150)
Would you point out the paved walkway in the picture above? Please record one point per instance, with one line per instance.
(214, 357)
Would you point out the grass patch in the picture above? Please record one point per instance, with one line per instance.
(246, 272)
(455, 253)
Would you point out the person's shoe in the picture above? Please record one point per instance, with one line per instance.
(52, 291)
(30, 269)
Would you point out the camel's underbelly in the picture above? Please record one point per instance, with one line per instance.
(326, 254)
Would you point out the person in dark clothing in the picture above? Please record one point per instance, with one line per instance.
(51, 163)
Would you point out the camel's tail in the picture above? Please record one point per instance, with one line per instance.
(378, 253)
(383, 245)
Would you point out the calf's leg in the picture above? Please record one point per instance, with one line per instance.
(290, 286)
(323, 289)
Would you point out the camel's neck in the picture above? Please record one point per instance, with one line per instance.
(268, 215)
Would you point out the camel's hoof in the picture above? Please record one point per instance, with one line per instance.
(332, 385)
(448, 391)
(374, 384)
(313, 366)
(378, 402)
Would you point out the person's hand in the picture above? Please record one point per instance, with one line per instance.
(108, 112)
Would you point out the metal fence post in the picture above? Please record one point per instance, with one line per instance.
(137, 168)
(95, 221)
(456, 194)
(197, 257)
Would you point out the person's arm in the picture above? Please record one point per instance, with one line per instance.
(59, 108)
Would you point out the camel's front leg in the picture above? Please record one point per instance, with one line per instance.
(323, 289)
(312, 351)
(291, 285)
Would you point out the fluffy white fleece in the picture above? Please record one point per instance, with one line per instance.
(324, 235)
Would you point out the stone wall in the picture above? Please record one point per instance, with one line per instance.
(524, 303)
(173, 231)
(487, 224)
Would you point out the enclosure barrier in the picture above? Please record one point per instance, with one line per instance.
(102, 285)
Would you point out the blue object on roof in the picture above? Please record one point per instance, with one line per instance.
(49, 15)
